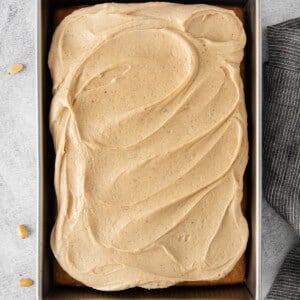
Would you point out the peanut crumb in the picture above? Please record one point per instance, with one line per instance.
(16, 68)
(22, 231)
(25, 282)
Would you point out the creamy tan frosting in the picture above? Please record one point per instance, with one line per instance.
(149, 126)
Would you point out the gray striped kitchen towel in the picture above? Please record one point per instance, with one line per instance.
(281, 143)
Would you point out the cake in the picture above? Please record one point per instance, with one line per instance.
(149, 127)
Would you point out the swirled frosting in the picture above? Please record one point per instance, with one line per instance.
(149, 127)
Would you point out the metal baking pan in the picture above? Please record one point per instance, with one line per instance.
(250, 289)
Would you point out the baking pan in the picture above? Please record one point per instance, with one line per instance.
(45, 287)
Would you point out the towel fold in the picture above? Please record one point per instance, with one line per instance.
(281, 143)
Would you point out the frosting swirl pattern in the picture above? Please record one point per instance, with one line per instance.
(149, 127)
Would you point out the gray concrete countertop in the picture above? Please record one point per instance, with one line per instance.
(18, 157)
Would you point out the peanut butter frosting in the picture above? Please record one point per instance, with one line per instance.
(150, 132)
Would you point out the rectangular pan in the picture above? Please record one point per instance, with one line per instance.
(251, 288)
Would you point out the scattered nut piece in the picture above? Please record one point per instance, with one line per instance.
(22, 231)
(25, 282)
(15, 69)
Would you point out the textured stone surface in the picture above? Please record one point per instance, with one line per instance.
(18, 195)
(18, 147)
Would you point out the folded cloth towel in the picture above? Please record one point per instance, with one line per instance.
(281, 146)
